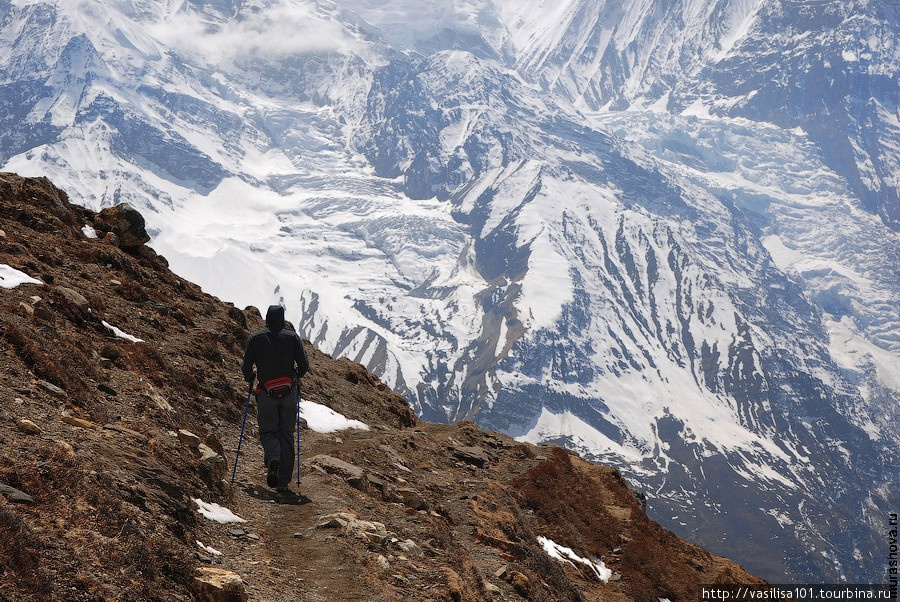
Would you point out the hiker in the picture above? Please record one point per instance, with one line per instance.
(280, 362)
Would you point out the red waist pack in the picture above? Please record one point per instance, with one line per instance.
(278, 387)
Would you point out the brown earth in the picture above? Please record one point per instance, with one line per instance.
(112, 516)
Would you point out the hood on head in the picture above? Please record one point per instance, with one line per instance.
(275, 318)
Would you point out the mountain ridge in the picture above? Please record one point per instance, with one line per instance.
(113, 354)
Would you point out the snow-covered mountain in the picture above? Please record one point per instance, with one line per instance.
(662, 234)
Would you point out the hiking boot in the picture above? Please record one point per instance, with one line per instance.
(272, 475)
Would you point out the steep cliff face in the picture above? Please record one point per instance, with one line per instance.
(128, 376)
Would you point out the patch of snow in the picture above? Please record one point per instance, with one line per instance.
(122, 334)
(208, 549)
(217, 513)
(11, 277)
(853, 351)
(323, 419)
(89, 231)
(564, 554)
(697, 109)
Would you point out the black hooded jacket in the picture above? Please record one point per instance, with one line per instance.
(275, 351)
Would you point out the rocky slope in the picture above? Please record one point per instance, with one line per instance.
(98, 486)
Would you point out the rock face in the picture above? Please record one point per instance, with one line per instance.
(126, 223)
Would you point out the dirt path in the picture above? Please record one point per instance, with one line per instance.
(292, 559)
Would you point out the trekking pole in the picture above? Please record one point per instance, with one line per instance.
(298, 438)
(241, 438)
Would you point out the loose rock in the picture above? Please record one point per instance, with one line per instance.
(369, 531)
(213, 466)
(411, 549)
(121, 429)
(85, 424)
(107, 389)
(519, 581)
(75, 298)
(51, 388)
(64, 449)
(14, 495)
(26, 309)
(188, 438)
(476, 456)
(43, 313)
(159, 401)
(412, 499)
(354, 475)
(28, 427)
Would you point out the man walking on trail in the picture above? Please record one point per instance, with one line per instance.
(280, 362)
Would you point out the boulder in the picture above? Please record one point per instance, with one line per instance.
(219, 585)
(126, 223)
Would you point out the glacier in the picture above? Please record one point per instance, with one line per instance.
(647, 231)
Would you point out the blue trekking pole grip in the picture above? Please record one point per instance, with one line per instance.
(241, 438)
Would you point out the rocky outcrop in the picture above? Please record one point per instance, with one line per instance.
(126, 223)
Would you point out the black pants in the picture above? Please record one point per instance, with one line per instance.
(277, 418)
